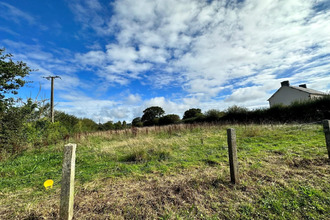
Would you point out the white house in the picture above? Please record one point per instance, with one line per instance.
(287, 94)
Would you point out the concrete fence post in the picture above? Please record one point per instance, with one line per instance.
(67, 186)
(326, 128)
(232, 151)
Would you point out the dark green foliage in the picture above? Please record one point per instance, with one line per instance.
(199, 119)
(169, 119)
(68, 121)
(309, 111)
(213, 115)
(118, 125)
(236, 110)
(20, 127)
(236, 114)
(108, 126)
(151, 113)
(11, 77)
(192, 113)
(11, 127)
(151, 122)
(124, 125)
(86, 125)
(11, 116)
(137, 122)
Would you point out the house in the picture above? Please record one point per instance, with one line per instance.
(287, 94)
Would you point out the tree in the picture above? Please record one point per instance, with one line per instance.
(12, 118)
(137, 122)
(108, 125)
(213, 115)
(118, 125)
(151, 113)
(169, 119)
(11, 77)
(192, 113)
(124, 125)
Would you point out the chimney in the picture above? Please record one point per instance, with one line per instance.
(285, 83)
(303, 86)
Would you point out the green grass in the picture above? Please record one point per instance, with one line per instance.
(178, 173)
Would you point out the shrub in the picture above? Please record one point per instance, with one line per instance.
(169, 119)
(11, 130)
(151, 122)
(236, 110)
(66, 120)
(213, 115)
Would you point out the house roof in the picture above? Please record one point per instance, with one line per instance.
(310, 91)
(302, 89)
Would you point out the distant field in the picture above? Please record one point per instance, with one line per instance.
(177, 172)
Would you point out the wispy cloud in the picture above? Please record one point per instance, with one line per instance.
(92, 14)
(12, 13)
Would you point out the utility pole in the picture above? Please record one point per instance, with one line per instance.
(52, 95)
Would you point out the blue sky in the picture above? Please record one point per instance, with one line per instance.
(117, 58)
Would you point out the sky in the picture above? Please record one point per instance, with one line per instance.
(117, 58)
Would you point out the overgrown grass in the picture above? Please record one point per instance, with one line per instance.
(177, 172)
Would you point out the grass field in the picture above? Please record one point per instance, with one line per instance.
(177, 172)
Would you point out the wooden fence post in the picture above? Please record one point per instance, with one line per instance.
(232, 150)
(326, 128)
(67, 186)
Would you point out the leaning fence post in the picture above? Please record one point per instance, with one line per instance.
(326, 128)
(67, 186)
(232, 150)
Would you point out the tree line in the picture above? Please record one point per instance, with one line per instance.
(298, 112)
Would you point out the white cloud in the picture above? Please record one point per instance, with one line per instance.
(207, 47)
(94, 58)
(121, 54)
(133, 99)
(210, 44)
(170, 107)
(84, 106)
(246, 94)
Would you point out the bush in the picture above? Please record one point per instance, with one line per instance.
(151, 122)
(66, 120)
(308, 111)
(85, 125)
(11, 130)
(169, 119)
(213, 115)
